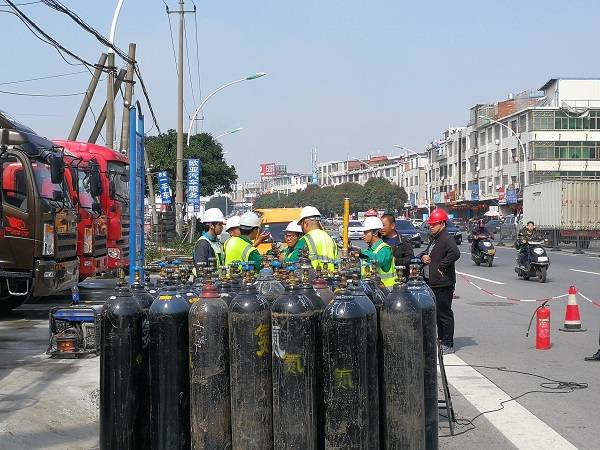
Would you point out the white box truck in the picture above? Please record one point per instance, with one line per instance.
(567, 210)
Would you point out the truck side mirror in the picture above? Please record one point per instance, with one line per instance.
(97, 208)
(11, 137)
(112, 188)
(75, 179)
(57, 169)
(95, 183)
(124, 176)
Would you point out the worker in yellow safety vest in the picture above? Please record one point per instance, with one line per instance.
(232, 228)
(321, 247)
(240, 248)
(378, 252)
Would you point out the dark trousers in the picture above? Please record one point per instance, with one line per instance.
(445, 316)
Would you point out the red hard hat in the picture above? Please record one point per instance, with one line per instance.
(437, 215)
(371, 213)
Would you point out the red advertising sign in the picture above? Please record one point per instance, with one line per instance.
(267, 170)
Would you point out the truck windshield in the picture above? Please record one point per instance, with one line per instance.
(51, 193)
(117, 171)
(85, 198)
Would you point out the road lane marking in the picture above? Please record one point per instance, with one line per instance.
(479, 278)
(585, 271)
(515, 422)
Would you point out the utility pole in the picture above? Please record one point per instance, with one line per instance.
(127, 103)
(102, 117)
(87, 99)
(110, 101)
(180, 142)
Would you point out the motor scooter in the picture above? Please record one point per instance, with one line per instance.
(535, 262)
(483, 251)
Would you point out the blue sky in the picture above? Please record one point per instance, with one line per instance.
(347, 77)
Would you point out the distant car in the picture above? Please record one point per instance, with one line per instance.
(355, 230)
(451, 228)
(408, 230)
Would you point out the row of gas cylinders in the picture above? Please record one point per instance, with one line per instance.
(192, 367)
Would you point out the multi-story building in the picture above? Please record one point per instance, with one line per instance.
(287, 183)
(530, 137)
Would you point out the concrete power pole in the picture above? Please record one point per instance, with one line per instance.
(87, 99)
(102, 117)
(179, 174)
(127, 103)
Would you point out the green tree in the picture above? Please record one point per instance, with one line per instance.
(382, 194)
(223, 203)
(216, 175)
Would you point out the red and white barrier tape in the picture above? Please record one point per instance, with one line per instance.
(593, 302)
(511, 299)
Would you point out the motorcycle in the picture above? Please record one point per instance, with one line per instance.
(536, 261)
(484, 251)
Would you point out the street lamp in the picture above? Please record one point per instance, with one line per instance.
(225, 134)
(428, 181)
(514, 133)
(251, 77)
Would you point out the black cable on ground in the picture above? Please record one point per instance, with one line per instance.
(551, 386)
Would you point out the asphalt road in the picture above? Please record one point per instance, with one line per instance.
(52, 404)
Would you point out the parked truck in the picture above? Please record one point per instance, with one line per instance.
(84, 182)
(114, 196)
(568, 211)
(38, 228)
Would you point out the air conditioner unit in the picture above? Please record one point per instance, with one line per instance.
(490, 184)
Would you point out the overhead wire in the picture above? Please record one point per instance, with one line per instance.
(187, 51)
(25, 94)
(63, 9)
(5, 83)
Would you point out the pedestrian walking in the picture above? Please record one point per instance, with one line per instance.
(439, 272)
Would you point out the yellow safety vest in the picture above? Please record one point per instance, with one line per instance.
(237, 250)
(388, 277)
(321, 247)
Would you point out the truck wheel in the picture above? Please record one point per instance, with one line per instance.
(10, 302)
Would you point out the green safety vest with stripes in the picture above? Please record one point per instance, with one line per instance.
(237, 250)
(321, 247)
(219, 255)
(388, 277)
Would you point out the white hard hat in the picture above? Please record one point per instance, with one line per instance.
(294, 227)
(309, 211)
(232, 222)
(372, 223)
(249, 220)
(212, 215)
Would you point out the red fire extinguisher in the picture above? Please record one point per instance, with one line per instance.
(542, 327)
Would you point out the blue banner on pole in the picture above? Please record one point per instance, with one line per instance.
(511, 196)
(164, 188)
(474, 187)
(193, 181)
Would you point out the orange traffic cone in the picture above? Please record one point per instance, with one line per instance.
(572, 318)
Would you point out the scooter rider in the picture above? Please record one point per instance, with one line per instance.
(479, 232)
(525, 235)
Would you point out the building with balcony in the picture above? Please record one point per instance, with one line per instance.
(287, 183)
(530, 137)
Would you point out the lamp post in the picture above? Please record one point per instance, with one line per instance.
(428, 169)
(225, 134)
(514, 133)
(251, 77)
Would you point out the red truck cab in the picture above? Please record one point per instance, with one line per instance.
(114, 196)
(92, 225)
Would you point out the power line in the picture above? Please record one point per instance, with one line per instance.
(187, 51)
(24, 4)
(59, 7)
(38, 32)
(72, 94)
(43, 78)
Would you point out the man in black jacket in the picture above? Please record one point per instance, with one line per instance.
(402, 248)
(439, 258)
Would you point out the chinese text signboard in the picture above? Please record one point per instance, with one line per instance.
(163, 188)
(193, 182)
